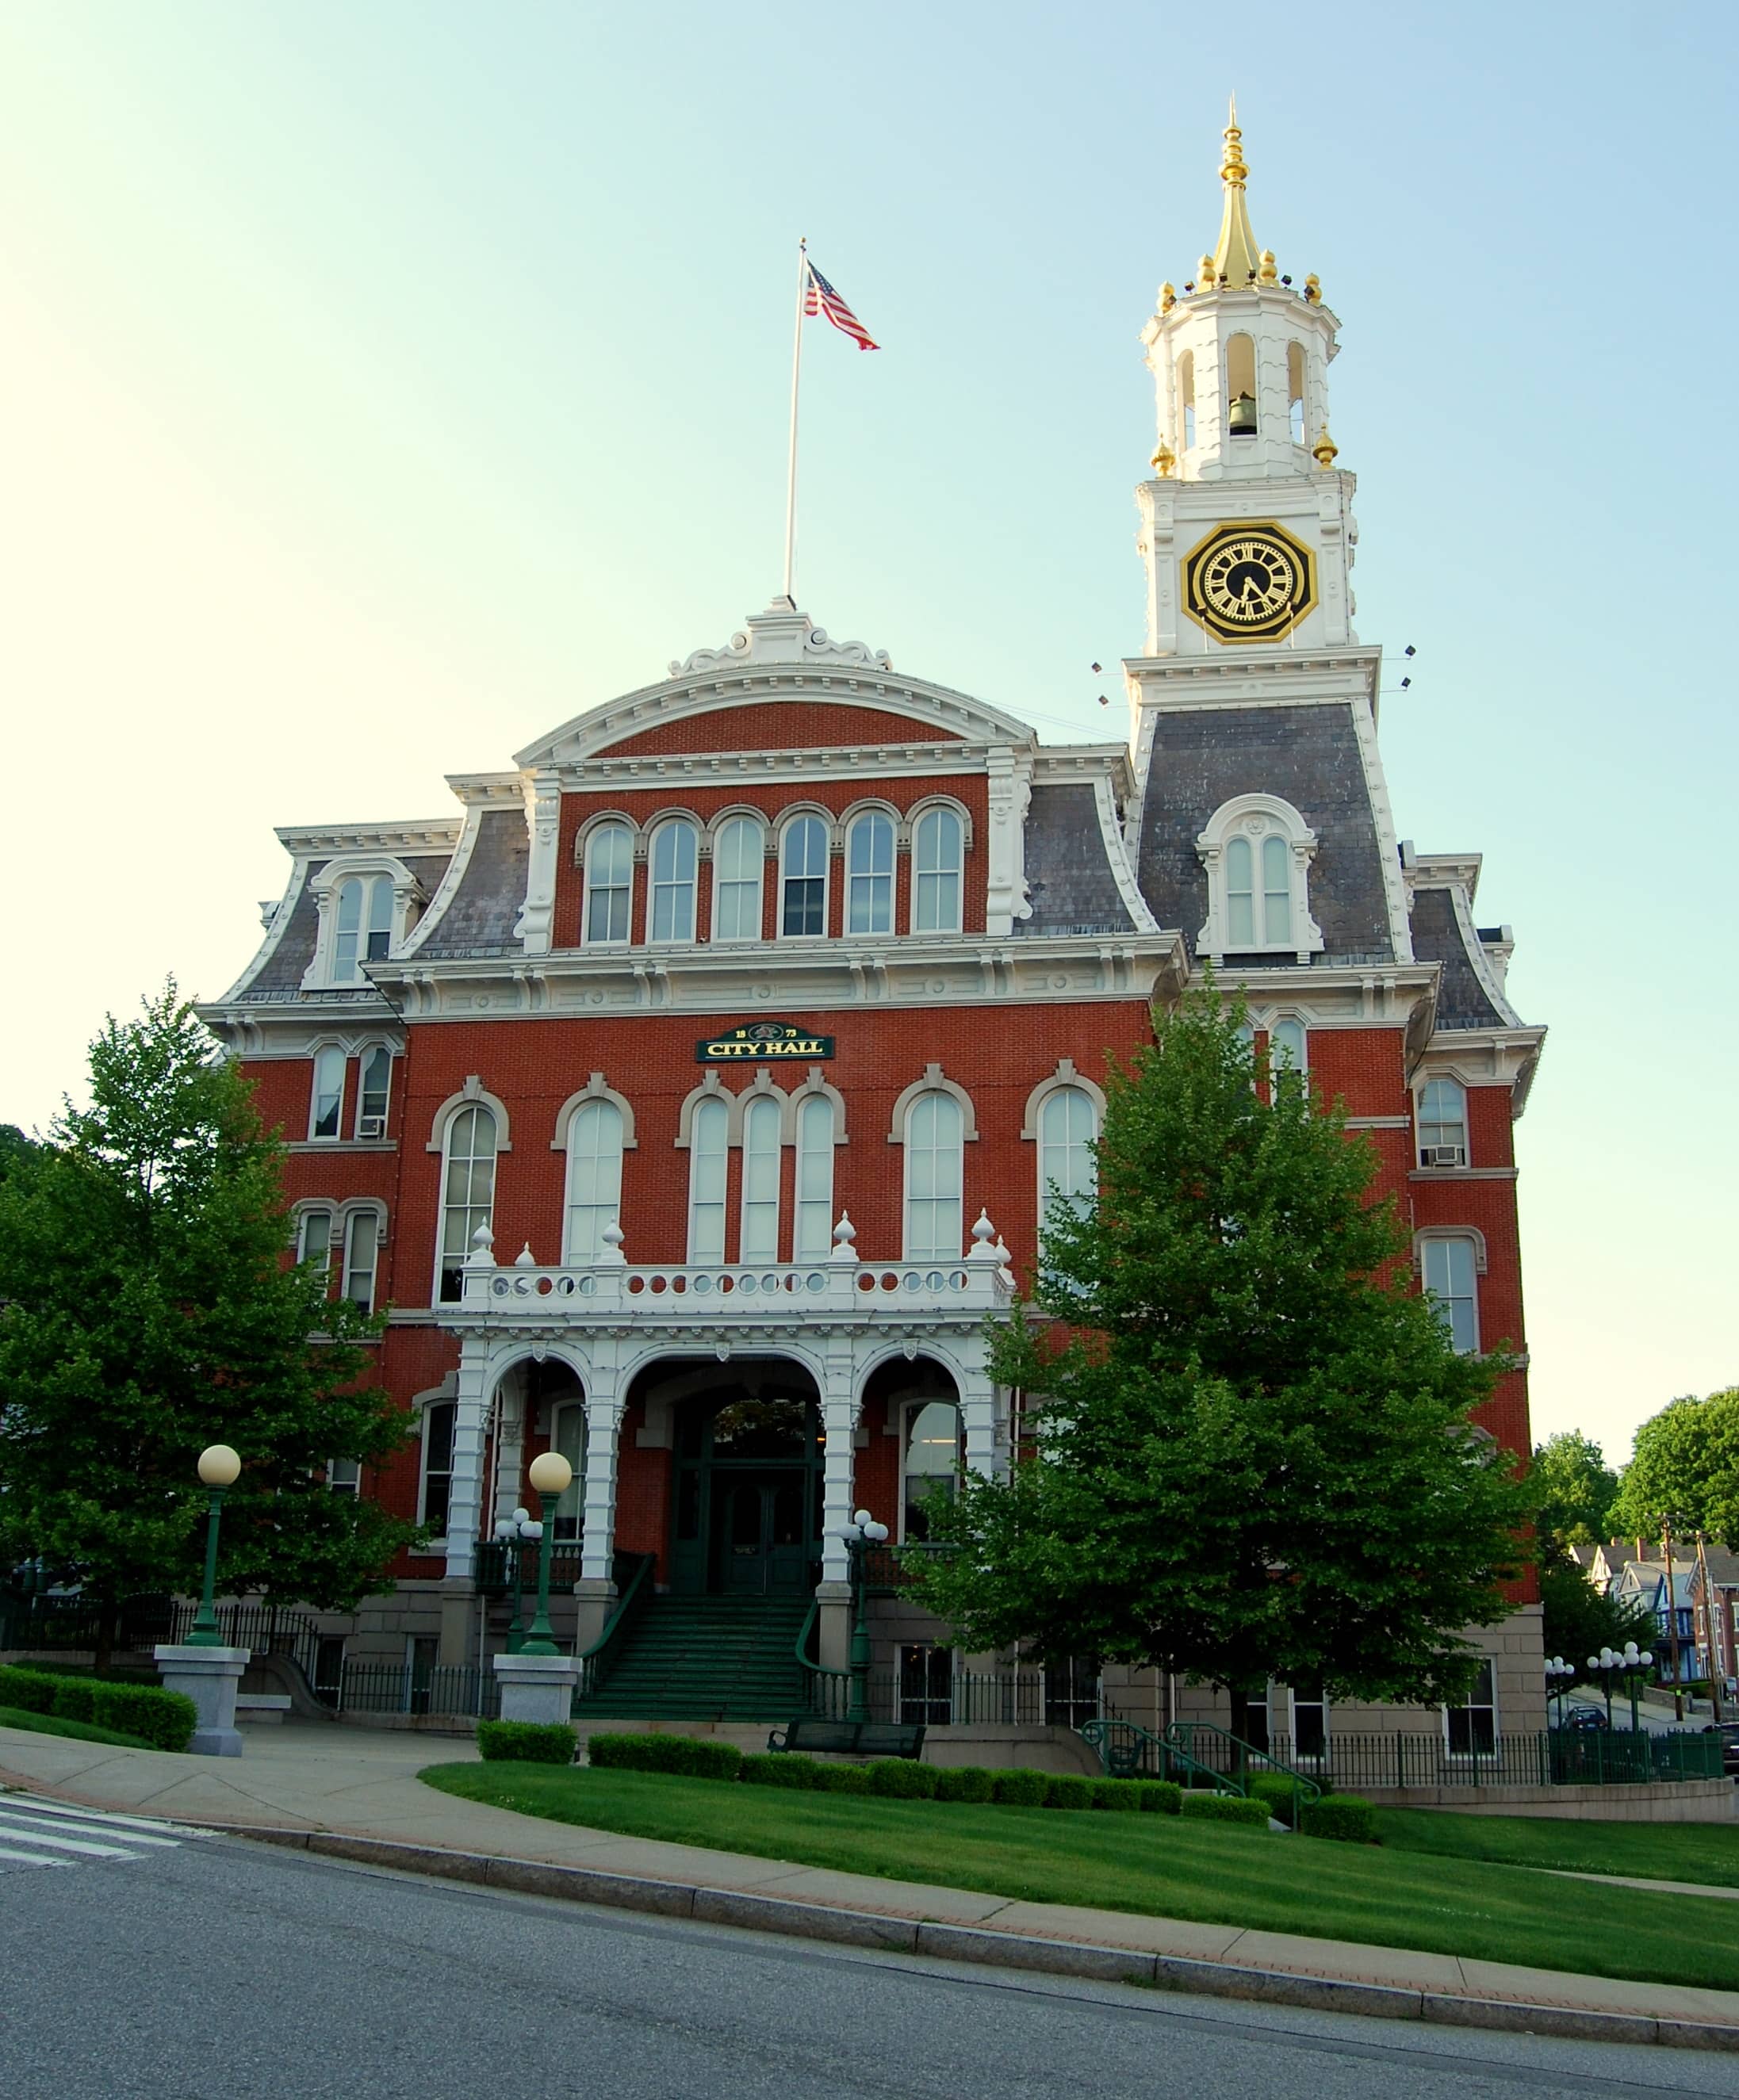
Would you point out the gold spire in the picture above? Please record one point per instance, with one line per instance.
(1237, 259)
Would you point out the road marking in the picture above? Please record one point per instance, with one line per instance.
(33, 1858)
(39, 1804)
(34, 1832)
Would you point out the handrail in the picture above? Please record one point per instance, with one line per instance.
(829, 1690)
(1134, 1740)
(592, 1660)
(1305, 1790)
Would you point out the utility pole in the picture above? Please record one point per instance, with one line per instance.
(1672, 1616)
(1715, 1658)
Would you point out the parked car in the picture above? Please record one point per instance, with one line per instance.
(1585, 1717)
(1728, 1733)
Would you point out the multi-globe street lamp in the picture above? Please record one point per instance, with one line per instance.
(1626, 1666)
(551, 1476)
(862, 1531)
(514, 1532)
(1559, 1676)
(219, 1467)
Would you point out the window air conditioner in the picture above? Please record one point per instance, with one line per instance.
(1443, 1155)
(371, 1126)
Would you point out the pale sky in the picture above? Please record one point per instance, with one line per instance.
(382, 384)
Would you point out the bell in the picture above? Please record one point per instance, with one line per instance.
(1242, 422)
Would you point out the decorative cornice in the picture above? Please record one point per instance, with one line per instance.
(426, 835)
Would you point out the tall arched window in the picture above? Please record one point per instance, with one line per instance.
(869, 874)
(1186, 397)
(314, 1237)
(1275, 916)
(326, 1101)
(739, 858)
(362, 1242)
(440, 1419)
(760, 1163)
(803, 877)
(1240, 386)
(594, 1179)
(1442, 1123)
(467, 1190)
(932, 1464)
(1066, 1131)
(670, 915)
(568, 1435)
(1240, 893)
(708, 1138)
(934, 1172)
(1296, 390)
(609, 884)
(936, 855)
(372, 1094)
(1276, 891)
(363, 930)
(1256, 850)
(1450, 1271)
(1287, 1051)
(812, 1237)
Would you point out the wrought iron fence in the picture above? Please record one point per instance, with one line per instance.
(958, 1699)
(495, 1569)
(407, 1687)
(1556, 1756)
(74, 1623)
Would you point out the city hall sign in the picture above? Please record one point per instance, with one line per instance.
(762, 1039)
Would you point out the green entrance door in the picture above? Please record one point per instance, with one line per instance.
(759, 1532)
(747, 1519)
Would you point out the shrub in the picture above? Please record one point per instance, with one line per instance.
(75, 1699)
(963, 1783)
(165, 1720)
(1064, 1790)
(1226, 1808)
(689, 1756)
(28, 1690)
(900, 1779)
(1115, 1793)
(1347, 1816)
(1018, 1788)
(527, 1742)
(769, 1768)
(1158, 1796)
(842, 1779)
(1275, 1789)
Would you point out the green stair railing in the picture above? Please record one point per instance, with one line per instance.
(1190, 1736)
(828, 1691)
(597, 1661)
(1126, 1750)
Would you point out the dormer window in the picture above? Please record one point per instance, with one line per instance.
(1256, 850)
(367, 903)
(364, 925)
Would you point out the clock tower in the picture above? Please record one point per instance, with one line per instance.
(1247, 526)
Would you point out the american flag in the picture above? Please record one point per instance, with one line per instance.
(820, 298)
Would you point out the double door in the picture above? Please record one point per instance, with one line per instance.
(760, 1531)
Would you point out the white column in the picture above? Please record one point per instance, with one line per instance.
(839, 1421)
(543, 813)
(465, 1501)
(603, 1429)
(509, 1453)
(978, 1413)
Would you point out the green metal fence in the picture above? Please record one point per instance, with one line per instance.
(1556, 1756)
(399, 1687)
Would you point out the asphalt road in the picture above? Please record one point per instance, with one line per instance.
(208, 1969)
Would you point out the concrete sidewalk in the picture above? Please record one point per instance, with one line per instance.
(356, 1794)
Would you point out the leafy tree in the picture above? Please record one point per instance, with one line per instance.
(1578, 1622)
(1577, 1489)
(147, 1312)
(1685, 1467)
(1256, 1457)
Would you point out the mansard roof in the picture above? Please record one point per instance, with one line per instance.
(1470, 992)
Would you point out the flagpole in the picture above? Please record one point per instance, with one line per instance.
(797, 370)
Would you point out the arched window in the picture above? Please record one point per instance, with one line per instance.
(1274, 918)
(372, 1094)
(760, 1165)
(314, 1237)
(364, 929)
(670, 915)
(1257, 851)
(1287, 1050)
(1450, 1269)
(1442, 1123)
(803, 881)
(1066, 1131)
(812, 1238)
(934, 1171)
(1296, 390)
(936, 854)
(932, 1463)
(739, 858)
(1276, 891)
(326, 1102)
(609, 884)
(869, 874)
(708, 1137)
(467, 1190)
(1240, 893)
(362, 1242)
(1240, 387)
(1186, 397)
(594, 1179)
(568, 1435)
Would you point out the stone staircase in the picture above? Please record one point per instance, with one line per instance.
(706, 1659)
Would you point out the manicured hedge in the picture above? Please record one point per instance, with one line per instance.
(164, 1720)
(1159, 1797)
(1347, 1816)
(783, 1768)
(843, 1779)
(1226, 1808)
(526, 1742)
(1020, 1787)
(898, 1778)
(1064, 1790)
(1115, 1794)
(964, 1783)
(690, 1757)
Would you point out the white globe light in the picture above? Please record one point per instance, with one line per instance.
(550, 1473)
(218, 1466)
(878, 1532)
(1646, 1657)
(522, 1516)
(1594, 1662)
(534, 1532)
(862, 1519)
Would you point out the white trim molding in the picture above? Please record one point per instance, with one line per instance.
(934, 1082)
(595, 1089)
(1064, 1076)
(1256, 817)
(473, 1093)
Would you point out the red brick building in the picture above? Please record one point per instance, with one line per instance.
(690, 1095)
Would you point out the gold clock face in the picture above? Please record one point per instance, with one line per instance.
(1249, 582)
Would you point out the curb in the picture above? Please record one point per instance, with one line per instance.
(889, 1934)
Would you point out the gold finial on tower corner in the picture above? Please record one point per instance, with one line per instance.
(1313, 289)
(1167, 298)
(1325, 451)
(1165, 459)
(1235, 258)
(1267, 274)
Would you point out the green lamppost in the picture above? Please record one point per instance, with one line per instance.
(862, 1533)
(551, 1474)
(219, 1467)
(513, 1533)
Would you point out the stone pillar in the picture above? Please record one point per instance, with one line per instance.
(603, 1431)
(208, 1676)
(536, 1687)
(470, 1422)
(840, 1408)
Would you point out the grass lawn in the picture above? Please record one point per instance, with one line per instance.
(80, 1732)
(1707, 1852)
(1159, 1865)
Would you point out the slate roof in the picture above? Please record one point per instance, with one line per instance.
(1201, 757)
(284, 967)
(1069, 881)
(480, 917)
(1437, 937)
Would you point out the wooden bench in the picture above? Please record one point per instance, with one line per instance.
(851, 1738)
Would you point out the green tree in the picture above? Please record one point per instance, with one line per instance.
(1577, 1488)
(1684, 1467)
(148, 1311)
(1578, 1622)
(1256, 1458)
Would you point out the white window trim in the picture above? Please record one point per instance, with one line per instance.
(776, 1100)
(738, 813)
(669, 820)
(472, 1095)
(1064, 1076)
(1421, 1081)
(933, 1082)
(429, 1403)
(909, 845)
(862, 813)
(300, 1212)
(814, 1089)
(788, 819)
(596, 1088)
(909, 1101)
(357, 1214)
(1472, 1757)
(706, 1096)
(1255, 815)
(407, 897)
(1464, 1233)
(364, 1052)
(326, 1047)
(583, 838)
(909, 1411)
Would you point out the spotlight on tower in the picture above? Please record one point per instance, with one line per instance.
(1409, 651)
(1404, 683)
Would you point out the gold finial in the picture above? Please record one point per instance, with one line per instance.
(1267, 274)
(1235, 258)
(1165, 459)
(1313, 289)
(1325, 451)
(1167, 298)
